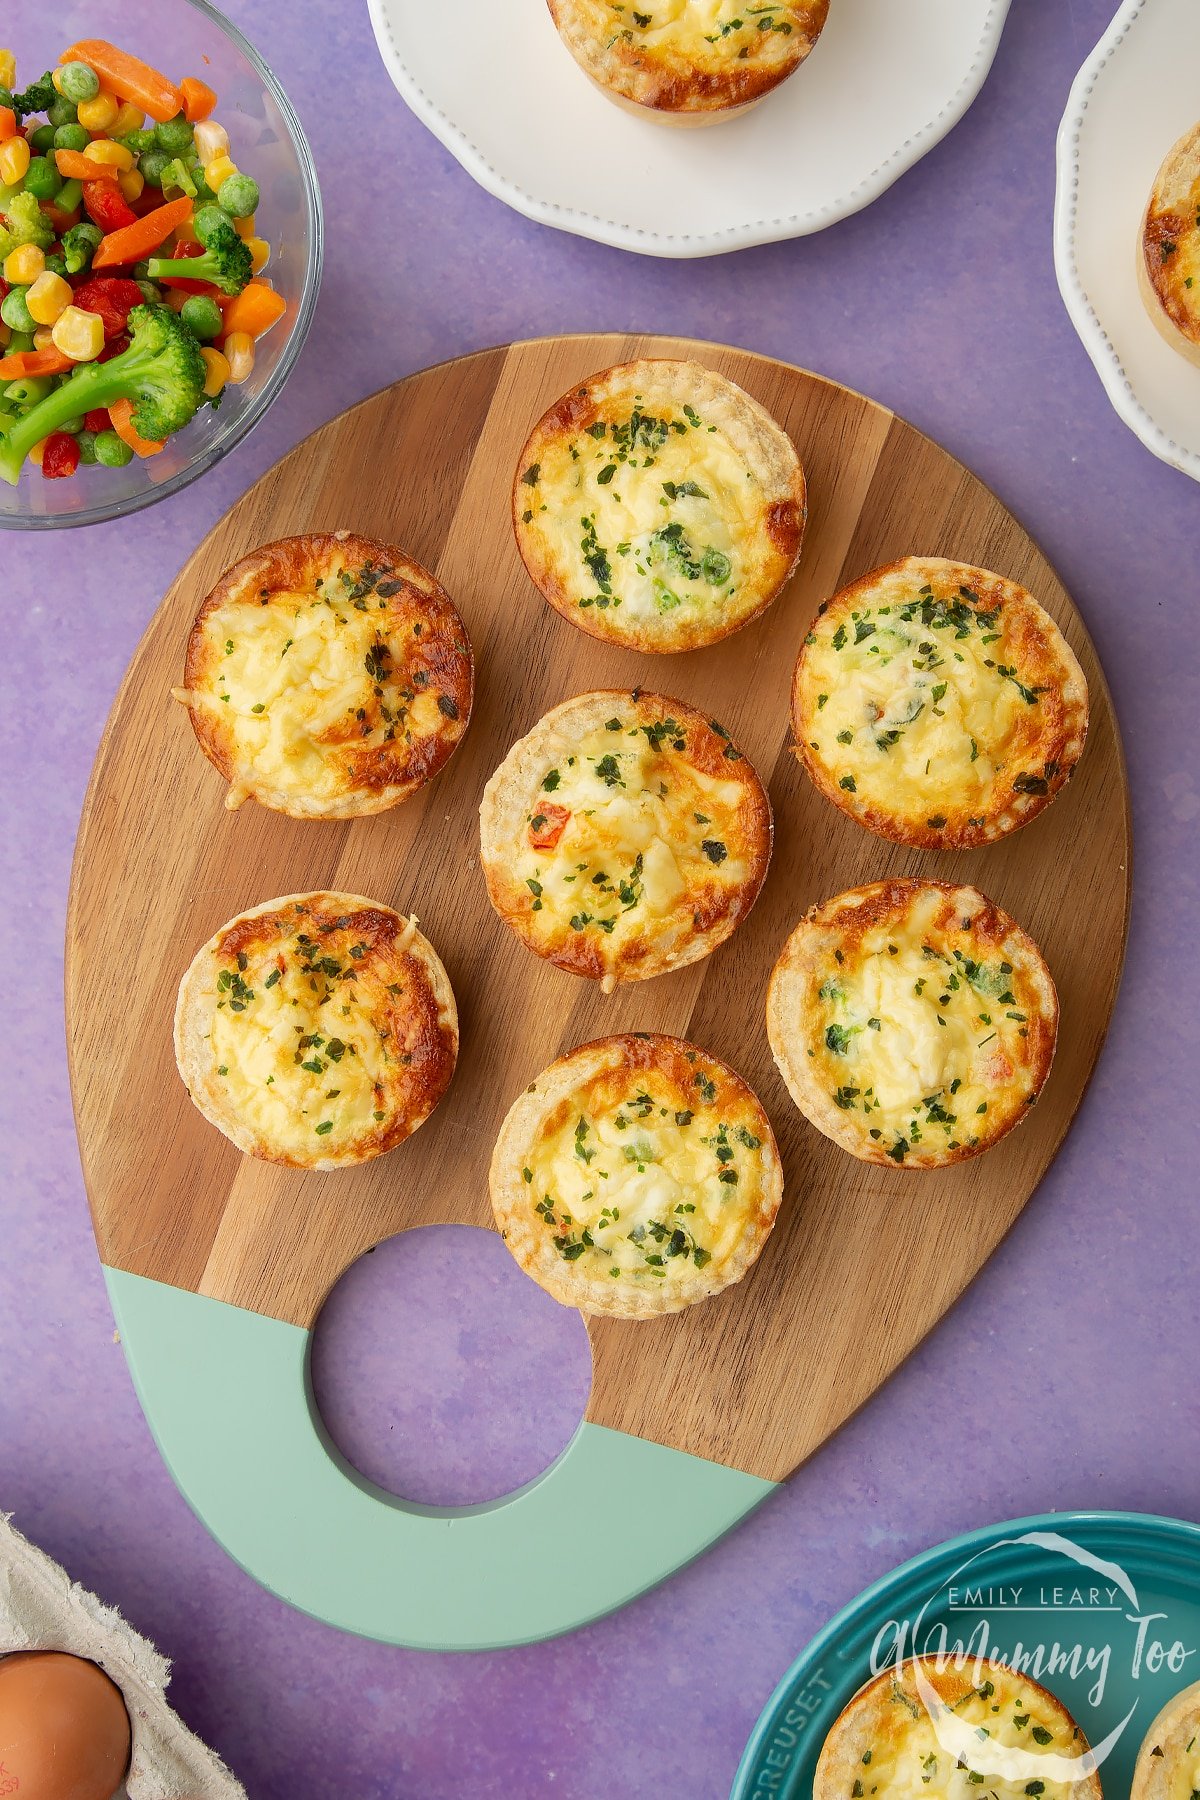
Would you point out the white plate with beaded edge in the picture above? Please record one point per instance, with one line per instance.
(1135, 96)
(885, 83)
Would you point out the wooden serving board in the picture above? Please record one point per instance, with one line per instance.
(863, 1261)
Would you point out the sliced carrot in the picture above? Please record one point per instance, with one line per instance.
(255, 309)
(8, 123)
(128, 77)
(121, 414)
(198, 99)
(33, 362)
(75, 165)
(131, 243)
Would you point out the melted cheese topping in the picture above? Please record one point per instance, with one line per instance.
(918, 1039)
(637, 827)
(917, 707)
(308, 1037)
(1172, 250)
(706, 34)
(316, 689)
(648, 1175)
(963, 1755)
(654, 513)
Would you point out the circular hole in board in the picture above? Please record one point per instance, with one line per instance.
(444, 1374)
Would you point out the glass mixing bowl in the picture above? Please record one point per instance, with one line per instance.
(188, 37)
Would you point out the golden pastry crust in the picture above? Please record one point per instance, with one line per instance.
(636, 1176)
(624, 836)
(1168, 261)
(688, 60)
(318, 1030)
(658, 506)
(938, 704)
(327, 676)
(1168, 1764)
(913, 1022)
(1000, 1734)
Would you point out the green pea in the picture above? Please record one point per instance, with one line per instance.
(174, 135)
(238, 195)
(204, 219)
(6, 98)
(20, 340)
(202, 316)
(43, 138)
(76, 81)
(204, 194)
(14, 311)
(69, 137)
(87, 446)
(112, 451)
(63, 112)
(152, 164)
(74, 426)
(138, 142)
(70, 195)
(152, 294)
(42, 179)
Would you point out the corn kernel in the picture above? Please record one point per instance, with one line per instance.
(38, 451)
(99, 114)
(219, 169)
(239, 354)
(260, 254)
(129, 118)
(131, 183)
(47, 297)
(216, 370)
(56, 78)
(212, 140)
(79, 334)
(14, 160)
(244, 227)
(8, 69)
(43, 338)
(23, 265)
(104, 150)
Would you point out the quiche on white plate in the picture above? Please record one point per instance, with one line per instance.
(327, 676)
(688, 62)
(317, 1030)
(636, 1176)
(1168, 263)
(913, 1021)
(938, 704)
(1168, 1764)
(955, 1733)
(626, 835)
(658, 506)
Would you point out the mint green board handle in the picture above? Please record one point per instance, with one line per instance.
(228, 1398)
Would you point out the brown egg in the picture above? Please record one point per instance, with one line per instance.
(64, 1731)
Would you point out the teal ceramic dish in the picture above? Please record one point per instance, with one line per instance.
(1110, 1602)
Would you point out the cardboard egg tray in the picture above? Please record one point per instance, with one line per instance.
(41, 1608)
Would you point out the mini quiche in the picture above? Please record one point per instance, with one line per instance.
(938, 704)
(636, 1176)
(955, 1733)
(1168, 262)
(1168, 1764)
(625, 836)
(658, 506)
(327, 676)
(912, 1021)
(688, 62)
(318, 1030)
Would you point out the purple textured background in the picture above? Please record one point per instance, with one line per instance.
(1067, 1377)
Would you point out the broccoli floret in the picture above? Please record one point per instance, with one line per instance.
(162, 372)
(27, 224)
(79, 245)
(38, 97)
(225, 261)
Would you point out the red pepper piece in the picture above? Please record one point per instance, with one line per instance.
(547, 826)
(107, 206)
(114, 348)
(98, 419)
(61, 455)
(113, 297)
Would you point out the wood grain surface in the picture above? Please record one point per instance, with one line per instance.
(863, 1260)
